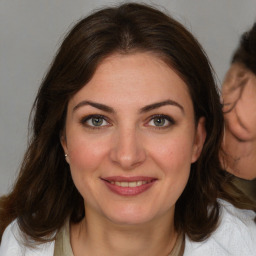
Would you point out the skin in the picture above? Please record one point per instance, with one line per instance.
(129, 143)
(239, 145)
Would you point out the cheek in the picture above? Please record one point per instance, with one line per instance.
(174, 155)
(173, 158)
(85, 156)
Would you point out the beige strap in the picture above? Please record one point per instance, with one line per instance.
(62, 242)
(178, 249)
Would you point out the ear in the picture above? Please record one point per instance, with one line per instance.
(63, 142)
(199, 140)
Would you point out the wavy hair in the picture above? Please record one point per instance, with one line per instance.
(44, 195)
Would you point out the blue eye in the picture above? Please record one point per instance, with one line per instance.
(95, 121)
(160, 121)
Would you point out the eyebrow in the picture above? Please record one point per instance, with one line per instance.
(143, 110)
(95, 105)
(161, 104)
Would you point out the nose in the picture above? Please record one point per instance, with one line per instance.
(127, 151)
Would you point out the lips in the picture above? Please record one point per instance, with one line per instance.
(129, 186)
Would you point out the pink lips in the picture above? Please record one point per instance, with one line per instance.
(128, 186)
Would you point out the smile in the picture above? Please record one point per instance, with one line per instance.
(129, 186)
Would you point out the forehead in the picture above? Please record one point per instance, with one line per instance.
(134, 79)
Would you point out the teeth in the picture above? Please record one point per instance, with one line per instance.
(132, 184)
(139, 183)
(124, 184)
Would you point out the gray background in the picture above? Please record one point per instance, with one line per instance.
(31, 31)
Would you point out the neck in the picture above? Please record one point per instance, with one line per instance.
(99, 236)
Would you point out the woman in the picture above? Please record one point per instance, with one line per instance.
(239, 97)
(124, 154)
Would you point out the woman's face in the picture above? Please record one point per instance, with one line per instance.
(239, 92)
(239, 98)
(130, 137)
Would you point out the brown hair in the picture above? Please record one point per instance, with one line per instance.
(245, 56)
(44, 194)
(246, 51)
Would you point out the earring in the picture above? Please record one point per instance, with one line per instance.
(66, 158)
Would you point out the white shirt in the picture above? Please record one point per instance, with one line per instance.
(235, 236)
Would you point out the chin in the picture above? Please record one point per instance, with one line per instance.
(130, 216)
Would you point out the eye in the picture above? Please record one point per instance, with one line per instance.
(161, 121)
(95, 121)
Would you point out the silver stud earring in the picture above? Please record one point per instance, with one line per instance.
(66, 155)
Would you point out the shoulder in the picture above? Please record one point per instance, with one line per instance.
(11, 244)
(235, 235)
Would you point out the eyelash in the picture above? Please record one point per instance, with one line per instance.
(161, 116)
(84, 121)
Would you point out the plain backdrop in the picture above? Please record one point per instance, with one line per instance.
(32, 30)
